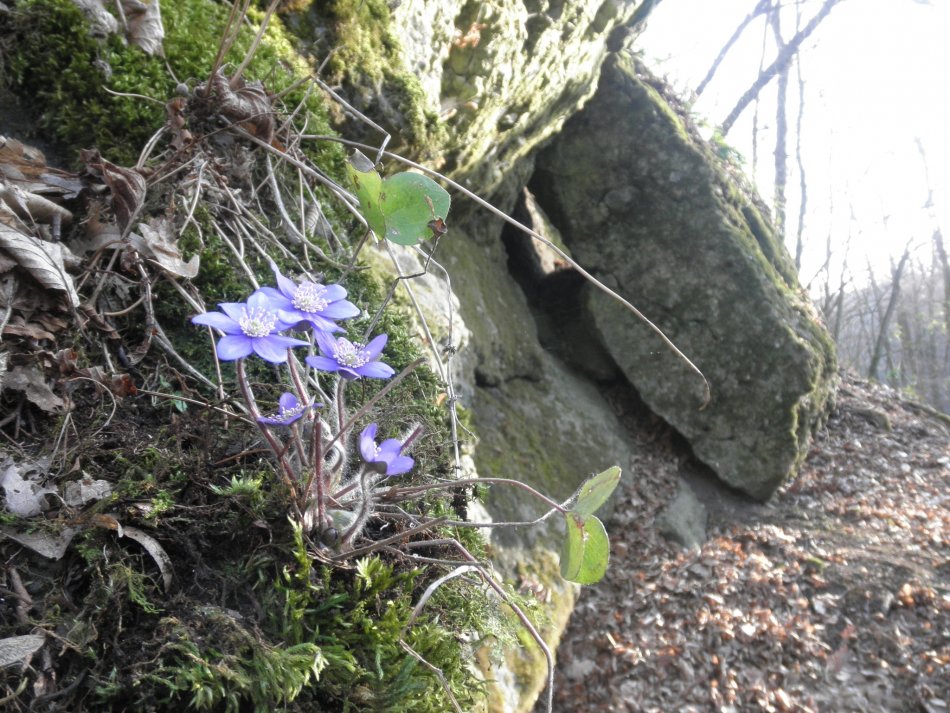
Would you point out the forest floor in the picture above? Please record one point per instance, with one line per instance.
(833, 596)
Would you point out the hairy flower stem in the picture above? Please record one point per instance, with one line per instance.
(409, 491)
(340, 406)
(298, 444)
(287, 470)
(302, 393)
(366, 508)
(315, 480)
(364, 409)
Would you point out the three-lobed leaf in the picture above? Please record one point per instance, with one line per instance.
(595, 491)
(586, 551)
(398, 208)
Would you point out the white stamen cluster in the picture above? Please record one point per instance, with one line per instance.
(258, 321)
(350, 355)
(308, 297)
(286, 414)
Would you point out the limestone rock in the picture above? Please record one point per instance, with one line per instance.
(499, 76)
(683, 520)
(537, 422)
(648, 208)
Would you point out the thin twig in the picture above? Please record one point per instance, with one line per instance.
(563, 255)
(437, 671)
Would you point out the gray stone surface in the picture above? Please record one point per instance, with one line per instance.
(649, 209)
(505, 74)
(683, 520)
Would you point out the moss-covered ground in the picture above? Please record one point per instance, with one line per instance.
(254, 617)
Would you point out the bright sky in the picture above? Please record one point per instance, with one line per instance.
(875, 76)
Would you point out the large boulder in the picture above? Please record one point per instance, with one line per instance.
(645, 205)
(480, 83)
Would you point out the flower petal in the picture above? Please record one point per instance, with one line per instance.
(274, 348)
(234, 346)
(277, 300)
(218, 321)
(322, 363)
(259, 300)
(368, 443)
(390, 447)
(334, 293)
(288, 402)
(322, 325)
(284, 284)
(399, 465)
(375, 347)
(234, 310)
(341, 309)
(326, 343)
(291, 317)
(376, 370)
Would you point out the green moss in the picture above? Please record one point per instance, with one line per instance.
(251, 623)
(64, 83)
(367, 59)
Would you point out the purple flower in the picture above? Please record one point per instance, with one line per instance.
(387, 454)
(352, 360)
(310, 302)
(250, 327)
(289, 410)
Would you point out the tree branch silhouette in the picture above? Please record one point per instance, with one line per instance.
(785, 56)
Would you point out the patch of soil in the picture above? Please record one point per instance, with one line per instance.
(833, 596)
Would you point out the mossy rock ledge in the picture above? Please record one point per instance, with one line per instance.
(474, 85)
(646, 206)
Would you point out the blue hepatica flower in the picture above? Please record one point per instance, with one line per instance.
(351, 360)
(250, 327)
(310, 302)
(387, 456)
(289, 410)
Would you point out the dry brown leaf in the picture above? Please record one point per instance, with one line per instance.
(247, 106)
(121, 385)
(101, 22)
(156, 241)
(46, 261)
(157, 552)
(80, 492)
(24, 496)
(32, 207)
(51, 546)
(13, 649)
(31, 330)
(144, 25)
(25, 159)
(31, 382)
(126, 184)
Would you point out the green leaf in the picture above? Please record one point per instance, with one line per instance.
(406, 210)
(586, 551)
(368, 185)
(595, 491)
(400, 207)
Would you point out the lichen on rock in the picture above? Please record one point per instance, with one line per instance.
(647, 207)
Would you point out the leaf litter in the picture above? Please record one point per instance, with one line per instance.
(834, 596)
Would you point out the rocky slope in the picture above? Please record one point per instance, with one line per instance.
(834, 596)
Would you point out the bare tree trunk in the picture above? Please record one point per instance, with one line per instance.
(755, 113)
(908, 370)
(781, 61)
(888, 313)
(781, 126)
(760, 9)
(803, 198)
